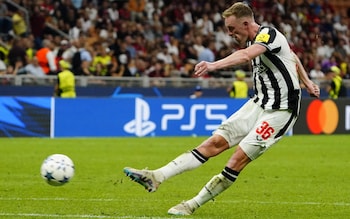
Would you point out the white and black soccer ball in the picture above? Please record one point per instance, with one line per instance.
(57, 169)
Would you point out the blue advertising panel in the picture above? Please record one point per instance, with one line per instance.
(110, 117)
(25, 116)
(129, 116)
(89, 117)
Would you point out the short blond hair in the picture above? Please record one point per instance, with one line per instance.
(238, 10)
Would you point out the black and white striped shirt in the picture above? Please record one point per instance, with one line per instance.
(276, 82)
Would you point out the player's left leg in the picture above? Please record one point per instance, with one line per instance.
(215, 186)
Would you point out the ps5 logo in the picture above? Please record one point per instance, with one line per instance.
(140, 126)
(179, 114)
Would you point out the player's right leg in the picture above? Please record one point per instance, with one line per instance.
(144, 177)
(151, 179)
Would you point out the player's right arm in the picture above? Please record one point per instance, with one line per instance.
(239, 57)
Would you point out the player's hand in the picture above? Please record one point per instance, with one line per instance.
(202, 68)
(313, 90)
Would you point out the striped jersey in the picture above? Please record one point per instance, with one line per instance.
(275, 77)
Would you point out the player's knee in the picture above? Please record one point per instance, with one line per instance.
(238, 160)
(213, 146)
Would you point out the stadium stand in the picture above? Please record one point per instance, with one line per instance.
(121, 45)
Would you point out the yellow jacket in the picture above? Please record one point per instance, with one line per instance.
(66, 84)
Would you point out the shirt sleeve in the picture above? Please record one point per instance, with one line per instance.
(51, 60)
(267, 37)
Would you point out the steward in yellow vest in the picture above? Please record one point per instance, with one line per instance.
(239, 87)
(336, 87)
(65, 86)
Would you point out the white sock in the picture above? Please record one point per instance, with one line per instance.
(214, 187)
(186, 161)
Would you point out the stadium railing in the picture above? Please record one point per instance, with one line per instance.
(143, 82)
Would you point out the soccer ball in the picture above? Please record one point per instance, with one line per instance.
(57, 169)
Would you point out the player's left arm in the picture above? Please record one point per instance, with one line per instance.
(311, 87)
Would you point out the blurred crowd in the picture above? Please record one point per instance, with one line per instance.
(158, 38)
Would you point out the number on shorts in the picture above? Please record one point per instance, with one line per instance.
(265, 130)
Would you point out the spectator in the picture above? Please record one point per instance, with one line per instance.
(4, 51)
(197, 93)
(133, 68)
(59, 51)
(77, 3)
(19, 24)
(46, 58)
(187, 69)
(157, 72)
(173, 46)
(65, 86)
(124, 12)
(113, 12)
(102, 62)
(341, 48)
(91, 11)
(187, 15)
(336, 87)
(198, 44)
(17, 53)
(37, 24)
(81, 59)
(164, 55)
(187, 50)
(70, 51)
(129, 46)
(136, 8)
(239, 88)
(122, 69)
(156, 25)
(221, 38)
(207, 54)
(341, 25)
(75, 31)
(327, 63)
(16, 69)
(33, 68)
(29, 47)
(140, 45)
(316, 72)
(5, 24)
(3, 66)
(86, 22)
(205, 25)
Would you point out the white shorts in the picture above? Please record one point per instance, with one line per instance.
(254, 129)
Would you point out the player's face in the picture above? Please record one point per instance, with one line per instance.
(237, 29)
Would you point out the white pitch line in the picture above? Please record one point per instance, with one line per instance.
(58, 199)
(74, 216)
(52, 215)
(225, 201)
(290, 203)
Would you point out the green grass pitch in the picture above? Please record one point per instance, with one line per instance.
(302, 176)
